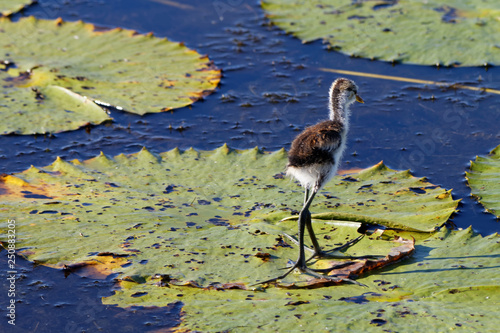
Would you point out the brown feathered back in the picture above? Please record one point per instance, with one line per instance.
(315, 144)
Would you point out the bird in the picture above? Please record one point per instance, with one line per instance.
(314, 158)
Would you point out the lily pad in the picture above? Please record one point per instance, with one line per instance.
(9, 7)
(120, 68)
(418, 32)
(75, 110)
(180, 200)
(201, 226)
(451, 283)
(484, 180)
(182, 212)
(196, 191)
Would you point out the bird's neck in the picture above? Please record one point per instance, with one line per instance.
(339, 109)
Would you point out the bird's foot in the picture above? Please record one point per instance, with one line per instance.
(295, 265)
(318, 253)
(317, 273)
(331, 253)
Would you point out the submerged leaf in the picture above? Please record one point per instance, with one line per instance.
(484, 180)
(419, 32)
(119, 68)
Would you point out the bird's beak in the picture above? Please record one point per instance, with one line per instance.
(359, 99)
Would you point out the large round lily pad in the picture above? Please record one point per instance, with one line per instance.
(9, 7)
(484, 180)
(197, 192)
(450, 284)
(420, 32)
(179, 201)
(120, 68)
(180, 224)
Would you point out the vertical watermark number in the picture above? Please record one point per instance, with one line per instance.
(11, 271)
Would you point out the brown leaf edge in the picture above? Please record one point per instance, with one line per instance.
(100, 267)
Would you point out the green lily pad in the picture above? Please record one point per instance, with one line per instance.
(437, 290)
(208, 189)
(419, 32)
(484, 180)
(179, 204)
(120, 68)
(75, 110)
(9, 7)
(201, 226)
(201, 194)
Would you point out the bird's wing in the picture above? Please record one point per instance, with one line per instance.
(316, 144)
(328, 136)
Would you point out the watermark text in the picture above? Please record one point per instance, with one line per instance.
(11, 271)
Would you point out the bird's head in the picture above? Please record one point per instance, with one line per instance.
(343, 92)
(346, 90)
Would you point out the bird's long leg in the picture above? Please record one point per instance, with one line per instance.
(304, 217)
(317, 249)
(310, 230)
(301, 261)
(328, 253)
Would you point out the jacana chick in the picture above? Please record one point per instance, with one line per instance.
(315, 155)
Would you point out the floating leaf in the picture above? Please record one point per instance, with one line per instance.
(201, 227)
(9, 7)
(133, 72)
(178, 200)
(484, 180)
(187, 215)
(420, 32)
(451, 283)
(75, 110)
(202, 192)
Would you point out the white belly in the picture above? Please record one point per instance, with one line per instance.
(309, 176)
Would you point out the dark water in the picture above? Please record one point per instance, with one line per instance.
(271, 89)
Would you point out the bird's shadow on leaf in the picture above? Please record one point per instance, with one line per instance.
(422, 254)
